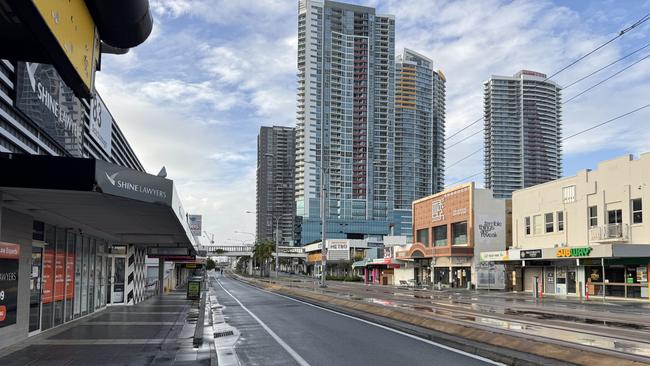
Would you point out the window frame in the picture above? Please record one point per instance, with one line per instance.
(592, 220)
(638, 211)
(547, 223)
(435, 240)
(559, 218)
(527, 225)
(453, 233)
(618, 216)
(417, 236)
(538, 219)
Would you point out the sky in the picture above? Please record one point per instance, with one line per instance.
(193, 96)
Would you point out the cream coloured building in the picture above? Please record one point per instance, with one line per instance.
(579, 233)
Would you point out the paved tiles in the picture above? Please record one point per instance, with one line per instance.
(154, 332)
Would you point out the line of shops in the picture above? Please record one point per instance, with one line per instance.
(76, 242)
(612, 270)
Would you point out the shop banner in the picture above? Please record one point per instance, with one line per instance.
(58, 276)
(195, 222)
(9, 258)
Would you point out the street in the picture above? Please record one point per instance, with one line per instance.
(276, 330)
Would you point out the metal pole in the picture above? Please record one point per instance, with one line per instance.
(277, 241)
(323, 227)
(602, 266)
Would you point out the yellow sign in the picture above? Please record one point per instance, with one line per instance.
(74, 29)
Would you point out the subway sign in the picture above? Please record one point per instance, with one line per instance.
(573, 252)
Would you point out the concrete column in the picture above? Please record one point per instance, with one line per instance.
(161, 276)
(365, 275)
(250, 267)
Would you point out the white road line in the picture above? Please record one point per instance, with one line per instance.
(487, 360)
(282, 343)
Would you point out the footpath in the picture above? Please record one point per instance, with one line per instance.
(157, 331)
(506, 329)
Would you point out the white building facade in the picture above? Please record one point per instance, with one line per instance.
(588, 233)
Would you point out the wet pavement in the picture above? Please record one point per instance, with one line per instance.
(271, 329)
(618, 326)
(154, 332)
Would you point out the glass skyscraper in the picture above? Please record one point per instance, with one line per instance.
(345, 120)
(419, 134)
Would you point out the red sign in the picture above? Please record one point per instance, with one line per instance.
(9, 251)
(3, 313)
(58, 272)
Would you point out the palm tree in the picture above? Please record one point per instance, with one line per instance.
(263, 253)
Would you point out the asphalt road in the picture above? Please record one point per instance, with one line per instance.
(277, 330)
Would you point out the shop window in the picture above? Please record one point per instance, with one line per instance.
(560, 220)
(527, 224)
(459, 233)
(614, 216)
(637, 211)
(537, 224)
(548, 222)
(593, 216)
(440, 236)
(422, 237)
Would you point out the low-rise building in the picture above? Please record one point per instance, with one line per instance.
(450, 229)
(341, 254)
(583, 233)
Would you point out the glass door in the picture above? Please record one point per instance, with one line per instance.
(35, 289)
(571, 281)
(117, 284)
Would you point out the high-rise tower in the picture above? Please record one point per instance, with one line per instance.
(275, 181)
(523, 132)
(419, 134)
(345, 119)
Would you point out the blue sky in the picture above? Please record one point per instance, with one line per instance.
(193, 96)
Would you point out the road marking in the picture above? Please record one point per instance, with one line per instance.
(487, 360)
(301, 361)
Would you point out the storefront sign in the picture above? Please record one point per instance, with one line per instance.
(573, 252)
(119, 181)
(43, 96)
(101, 123)
(9, 257)
(437, 207)
(501, 255)
(530, 254)
(195, 222)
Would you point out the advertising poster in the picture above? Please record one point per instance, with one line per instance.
(9, 257)
(59, 277)
(48, 276)
(195, 222)
(69, 277)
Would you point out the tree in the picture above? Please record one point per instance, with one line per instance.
(210, 264)
(263, 253)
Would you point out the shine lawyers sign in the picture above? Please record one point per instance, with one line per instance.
(128, 183)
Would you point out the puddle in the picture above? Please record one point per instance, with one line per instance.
(576, 319)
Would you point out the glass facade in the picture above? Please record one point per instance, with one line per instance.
(67, 276)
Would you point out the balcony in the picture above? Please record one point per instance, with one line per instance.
(609, 233)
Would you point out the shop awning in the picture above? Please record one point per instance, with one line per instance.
(572, 252)
(99, 198)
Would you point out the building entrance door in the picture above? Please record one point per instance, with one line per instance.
(116, 276)
(561, 281)
(35, 289)
(571, 282)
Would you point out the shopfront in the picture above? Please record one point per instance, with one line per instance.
(75, 243)
(609, 270)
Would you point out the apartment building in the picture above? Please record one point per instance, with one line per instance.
(345, 120)
(419, 134)
(275, 184)
(523, 132)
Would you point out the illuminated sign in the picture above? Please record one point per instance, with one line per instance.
(573, 252)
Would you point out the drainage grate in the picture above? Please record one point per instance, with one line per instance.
(223, 334)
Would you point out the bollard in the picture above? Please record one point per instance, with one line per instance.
(587, 292)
